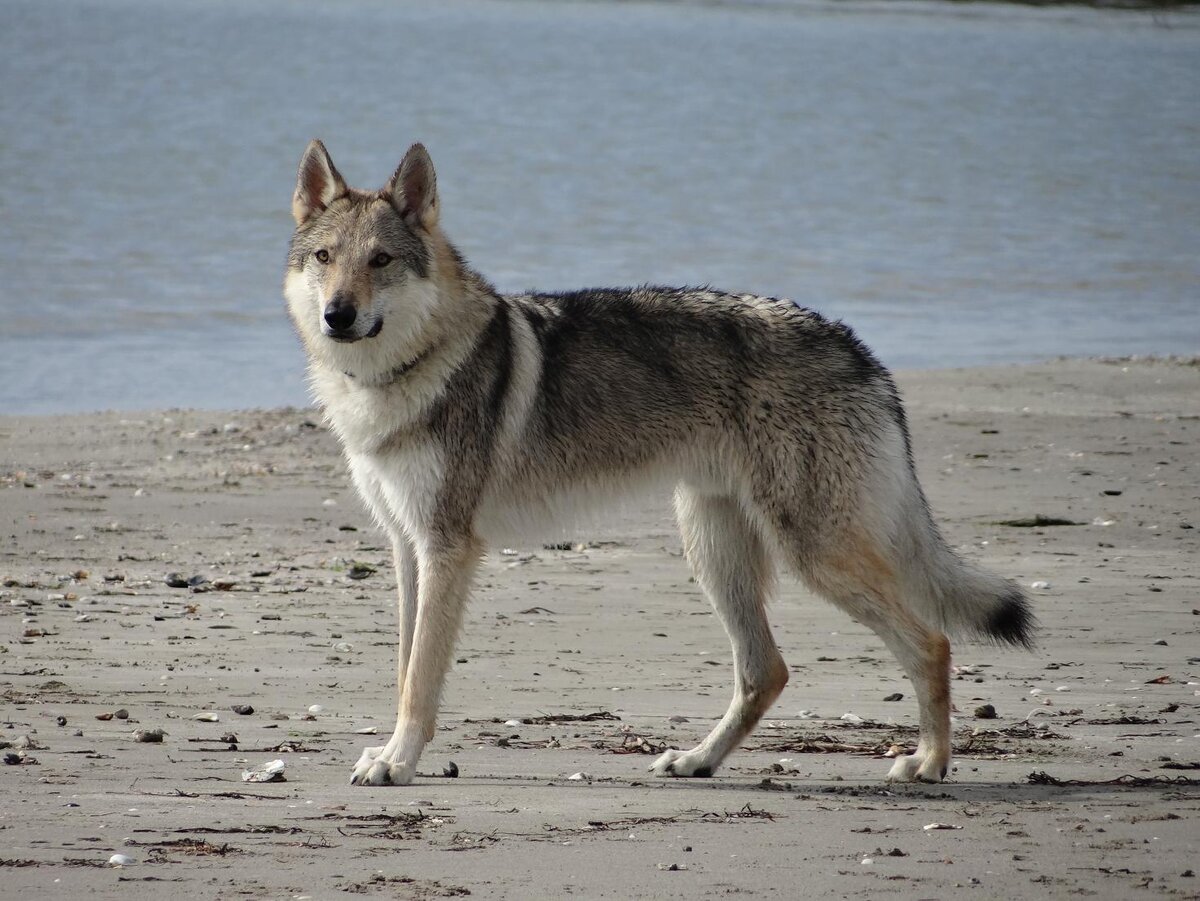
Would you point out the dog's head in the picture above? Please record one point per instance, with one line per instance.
(359, 264)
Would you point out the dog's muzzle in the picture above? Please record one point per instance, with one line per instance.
(340, 316)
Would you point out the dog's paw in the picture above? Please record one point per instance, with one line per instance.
(376, 767)
(683, 763)
(919, 767)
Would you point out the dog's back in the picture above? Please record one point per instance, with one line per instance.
(753, 397)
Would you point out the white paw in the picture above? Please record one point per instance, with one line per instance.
(392, 764)
(380, 772)
(683, 763)
(375, 767)
(919, 767)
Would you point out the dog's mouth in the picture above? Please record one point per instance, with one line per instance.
(349, 336)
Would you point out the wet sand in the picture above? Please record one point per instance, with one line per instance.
(581, 659)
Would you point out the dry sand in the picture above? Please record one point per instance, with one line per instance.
(1086, 783)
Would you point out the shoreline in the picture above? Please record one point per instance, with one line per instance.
(901, 374)
(1087, 781)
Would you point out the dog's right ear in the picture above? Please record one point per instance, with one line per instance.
(318, 183)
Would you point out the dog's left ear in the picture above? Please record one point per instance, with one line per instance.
(318, 183)
(413, 188)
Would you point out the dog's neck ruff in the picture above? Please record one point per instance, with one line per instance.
(388, 378)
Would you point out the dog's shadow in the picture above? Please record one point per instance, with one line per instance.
(1038, 787)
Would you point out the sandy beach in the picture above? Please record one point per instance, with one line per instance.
(159, 570)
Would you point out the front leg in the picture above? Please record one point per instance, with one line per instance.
(404, 556)
(442, 578)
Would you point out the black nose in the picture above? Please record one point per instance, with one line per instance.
(339, 314)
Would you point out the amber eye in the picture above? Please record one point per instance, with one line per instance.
(380, 260)
(322, 256)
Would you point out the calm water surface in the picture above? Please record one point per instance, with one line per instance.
(962, 184)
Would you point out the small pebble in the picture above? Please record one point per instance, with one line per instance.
(149, 736)
(985, 712)
(314, 709)
(121, 714)
(579, 777)
(895, 696)
(120, 860)
(451, 771)
(1039, 585)
(207, 717)
(242, 709)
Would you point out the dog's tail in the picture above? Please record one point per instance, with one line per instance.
(963, 599)
(945, 590)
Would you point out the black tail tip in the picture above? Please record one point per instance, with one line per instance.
(1012, 622)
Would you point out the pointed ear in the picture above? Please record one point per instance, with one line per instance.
(413, 188)
(318, 183)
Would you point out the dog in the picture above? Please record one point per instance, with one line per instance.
(463, 412)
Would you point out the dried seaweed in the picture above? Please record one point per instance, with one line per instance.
(1043, 778)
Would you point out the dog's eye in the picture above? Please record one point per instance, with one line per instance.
(380, 260)
(322, 256)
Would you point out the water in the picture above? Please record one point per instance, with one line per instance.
(963, 184)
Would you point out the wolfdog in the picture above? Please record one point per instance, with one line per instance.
(463, 412)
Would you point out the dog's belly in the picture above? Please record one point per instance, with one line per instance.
(522, 515)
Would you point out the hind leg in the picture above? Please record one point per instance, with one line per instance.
(924, 654)
(732, 566)
(927, 663)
